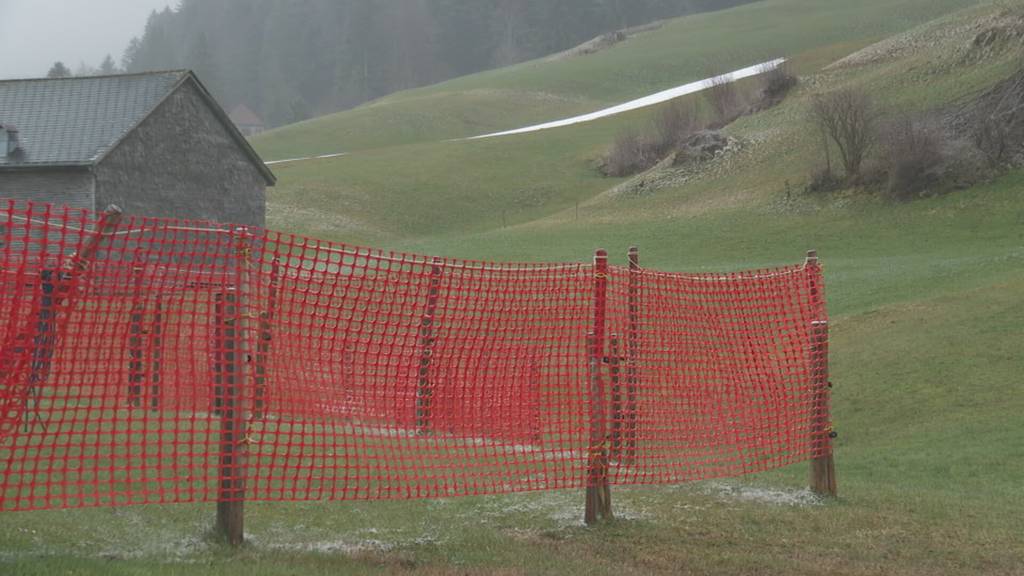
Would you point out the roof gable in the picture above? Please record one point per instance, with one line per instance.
(76, 121)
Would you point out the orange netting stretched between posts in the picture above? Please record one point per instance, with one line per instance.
(150, 360)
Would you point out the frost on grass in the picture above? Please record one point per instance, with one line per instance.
(762, 495)
(347, 546)
(185, 538)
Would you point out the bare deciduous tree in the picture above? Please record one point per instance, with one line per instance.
(848, 119)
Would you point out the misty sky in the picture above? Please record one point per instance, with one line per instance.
(36, 33)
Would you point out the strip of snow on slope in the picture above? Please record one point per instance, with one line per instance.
(658, 98)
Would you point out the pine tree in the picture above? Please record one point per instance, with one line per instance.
(107, 67)
(200, 61)
(58, 70)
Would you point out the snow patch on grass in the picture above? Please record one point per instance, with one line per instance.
(344, 546)
(762, 495)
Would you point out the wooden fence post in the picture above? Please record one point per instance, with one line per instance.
(136, 364)
(55, 299)
(156, 347)
(235, 352)
(263, 344)
(823, 471)
(598, 495)
(144, 345)
(614, 370)
(424, 388)
(632, 355)
(108, 223)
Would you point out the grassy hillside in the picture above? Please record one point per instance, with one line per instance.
(684, 50)
(925, 299)
(435, 188)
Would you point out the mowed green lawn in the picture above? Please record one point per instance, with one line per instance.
(927, 316)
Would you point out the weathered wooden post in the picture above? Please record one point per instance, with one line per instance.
(424, 388)
(56, 290)
(234, 354)
(632, 354)
(144, 345)
(598, 495)
(108, 223)
(614, 373)
(823, 471)
(156, 351)
(136, 369)
(263, 344)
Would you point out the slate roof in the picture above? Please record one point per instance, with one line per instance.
(76, 121)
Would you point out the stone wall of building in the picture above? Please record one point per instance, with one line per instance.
(182, 162)
(63, 186)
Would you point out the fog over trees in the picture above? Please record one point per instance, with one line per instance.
(293, 60)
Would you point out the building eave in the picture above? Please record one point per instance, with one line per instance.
(28, 166)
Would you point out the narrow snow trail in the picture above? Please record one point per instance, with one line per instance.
(322, 156)
(657, 98)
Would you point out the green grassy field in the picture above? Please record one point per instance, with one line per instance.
(685, 50)
(925, 298)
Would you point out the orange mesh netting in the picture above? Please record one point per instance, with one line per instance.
(150, 360)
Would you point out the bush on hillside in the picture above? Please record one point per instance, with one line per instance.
(776, 83)
(915, 159)
(993, 137)
(633, 152)
(823, 181)
(724, 98)
(675, 123)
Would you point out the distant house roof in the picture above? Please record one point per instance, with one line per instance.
(77, 121)
(242, 115)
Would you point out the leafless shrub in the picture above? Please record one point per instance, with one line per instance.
(823, 181)
(675, 123)
(992, 136)
(776, 82)
(848, 119)
(724, 98)
(631, 153)
(914, 154)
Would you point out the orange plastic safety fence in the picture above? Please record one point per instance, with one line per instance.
(154, 361)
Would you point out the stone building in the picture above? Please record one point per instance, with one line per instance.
(155, 144)
(246, 120)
